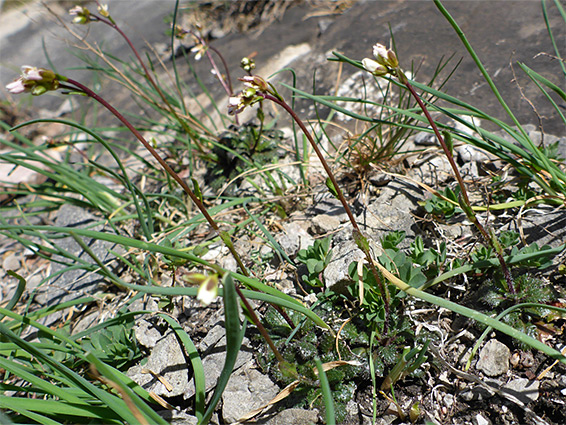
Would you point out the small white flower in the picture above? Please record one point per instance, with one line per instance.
(208, 290)
(200, 50)
(34, 80)
(235, 105)
(103, 10)
(385, 56)
(82, 15)
(255, 82)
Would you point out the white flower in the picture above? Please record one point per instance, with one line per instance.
(34, 80)
(255, 82)
(208, 290)
(235, 105)
(103, 10)
(82, 15)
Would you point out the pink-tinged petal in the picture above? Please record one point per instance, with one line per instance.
(16, 87)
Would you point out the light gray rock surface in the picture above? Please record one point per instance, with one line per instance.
(247, 389)
(494, 358)
(523, 389)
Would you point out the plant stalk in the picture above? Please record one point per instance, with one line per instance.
(361, 240)
(468, 207)
(223, 235)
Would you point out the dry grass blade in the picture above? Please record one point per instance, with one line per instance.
(285, 392)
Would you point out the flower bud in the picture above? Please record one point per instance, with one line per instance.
(247, 64)
(374, 67)
(385, 56)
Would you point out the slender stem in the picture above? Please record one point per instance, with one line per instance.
(469, 212)
(358, 236)
(260, 327)
(187, 129)
(227, 85)
(223, 235)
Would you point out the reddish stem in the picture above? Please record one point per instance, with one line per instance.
(357, 231)
(469, 211)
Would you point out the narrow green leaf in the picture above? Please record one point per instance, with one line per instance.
(196, 363)
(326, 394)
(234, 336)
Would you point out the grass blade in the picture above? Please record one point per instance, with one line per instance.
(234, 336)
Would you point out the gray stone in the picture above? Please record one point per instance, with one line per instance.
(211, 338)
(291, 416)
(168, 361)
(175, 417)
(11, 262)
(494, 358)
(294, 237)
(246, 390)
(391, 210)
(336, 273)
(213, 362)
(522, 389)
(425, 139)
(67, 285)
(324, 223)
(470, 153)
(146, 333)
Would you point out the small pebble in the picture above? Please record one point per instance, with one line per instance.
(11, 262)
(480, 420)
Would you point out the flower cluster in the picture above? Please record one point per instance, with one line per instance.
(255, 85)
(247, 64)
(35, 81)
(385, 61)
(82, 15)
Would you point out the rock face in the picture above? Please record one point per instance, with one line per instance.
(71, 284)
(166, 360)
(494, 358)
(246, 390)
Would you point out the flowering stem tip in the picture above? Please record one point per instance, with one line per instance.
(35, 81)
